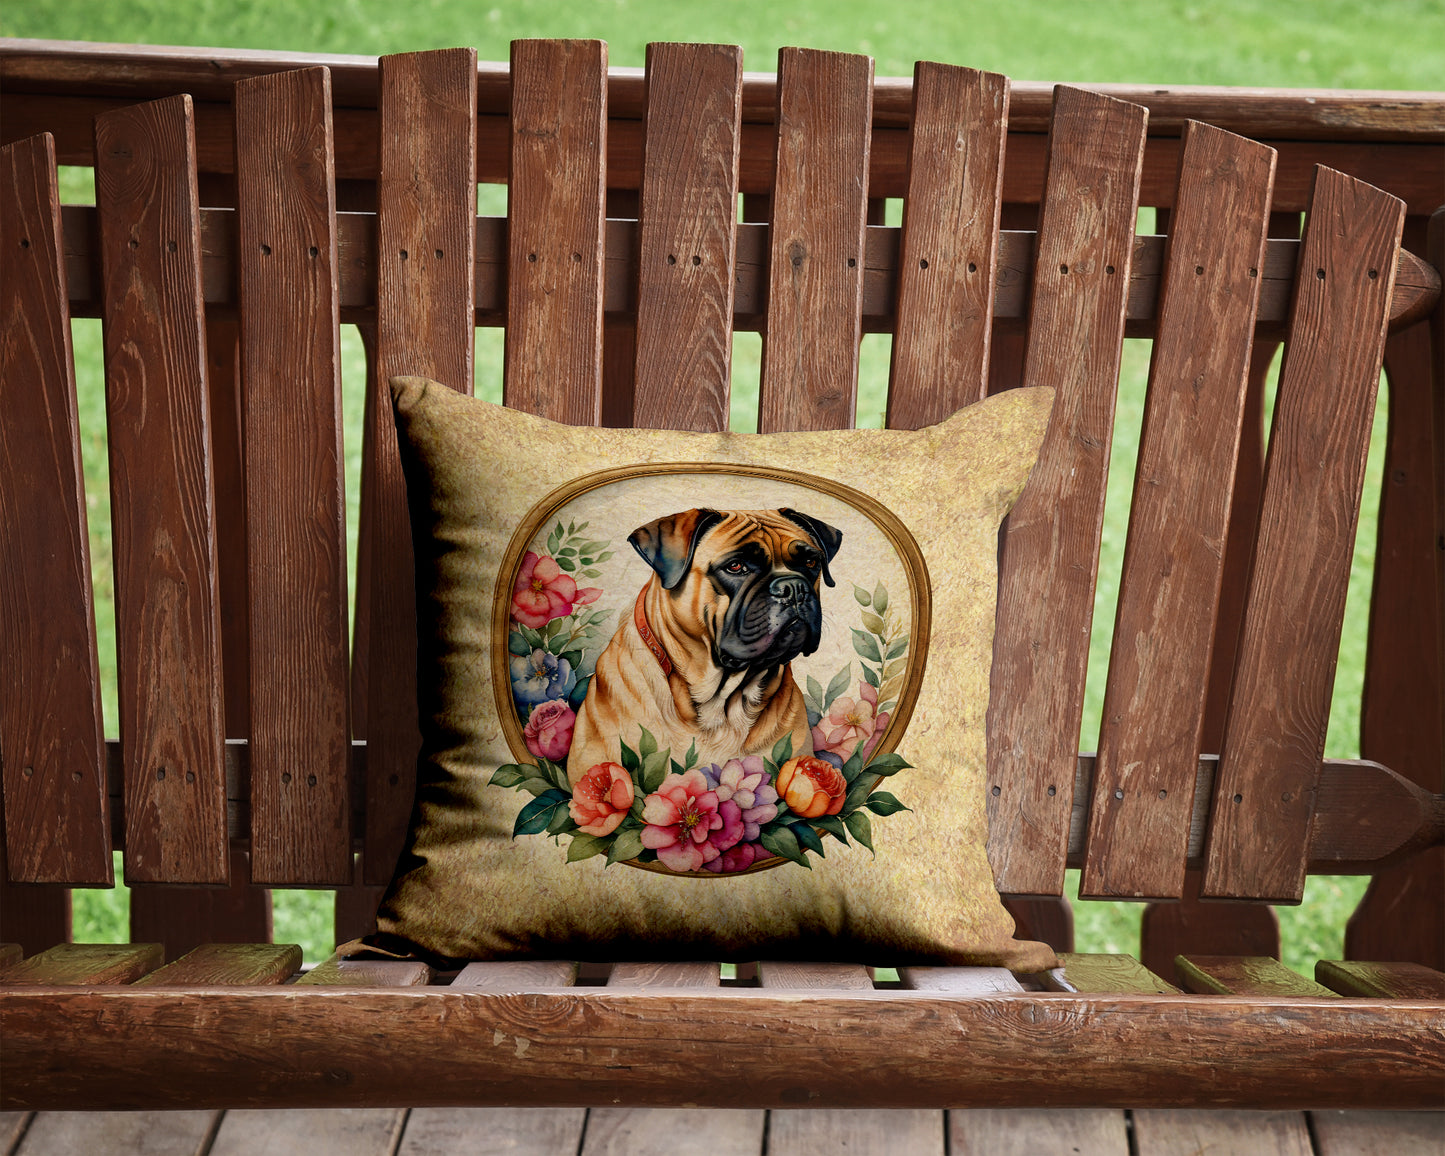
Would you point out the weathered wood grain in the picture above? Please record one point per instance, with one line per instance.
(687, 237)
(1169, 1132)
(868, 1132)
(426, 220)
(1088, 972)
(517, 975)
(336, 1132)
(679, 1131)
(120, 1133)
(1050, 555)
(337, 972)
(56, 818)
(947, 266)
(69, 964)
(168, 631)
(295, 499)
(1154, 700)
(1383, 980)
(1243, 975)
(1029, 1131)
(555, 206)
(1275, 730)
(1342, 1133)
(793, 975)
(228, 963)
(664, 975)
(516, 1131)
(816, 260)
(959, 980)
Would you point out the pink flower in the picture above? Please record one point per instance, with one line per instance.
(850, 722)
(812, 787)
(543, 592)
(687, 824)
(548, 733)
(601, 799)
(738, 858)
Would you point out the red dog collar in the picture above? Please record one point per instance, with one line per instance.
(649, 640)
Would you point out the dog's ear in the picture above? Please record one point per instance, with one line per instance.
(827, 538)
(667, 545)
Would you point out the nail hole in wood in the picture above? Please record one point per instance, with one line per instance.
(1053, 791)
(1374, 273)
(672, 259)
(1063, 268)
(160, 774)
(76, 775)
(577, 257)
(313, 251)
(285, 776)
(265, 250)
(1109, 269)
(972, 268)
(25, 242)
(1239, 798)
(1118, 793)
(923, 263)
(190, 776)
(134, 244)
(852, 262)
(404, 254)
(1199, 270)
(1163, 794)
(437, 253)
(696, 260)
(310, 780)
(995, 792)
(532, 257)
(1319, 274)
(393, 779)
(28, 772)
(1254, 272)
(170, 246)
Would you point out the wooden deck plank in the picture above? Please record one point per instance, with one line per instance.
(816, 260)
(484, 1131)
(675, 1131)
(12, 1127)
(167, 594)
(1347, 1133)
(315, 1132)
(119, 1133)
(1051, 546)
(1169, 1132)
(295, 498)
(1243, 975)
(228, 963)
(1033, 1131)
(85, 964)
(1383, 980)
(857, 1131)
(57, 822)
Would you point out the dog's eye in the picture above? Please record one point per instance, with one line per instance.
(736, 566)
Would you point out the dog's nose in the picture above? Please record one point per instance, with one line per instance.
(788, 589)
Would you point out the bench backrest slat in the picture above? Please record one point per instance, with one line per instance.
(426, 241)
(1173, 561)
(556, 229)
(687, 237)
(816, 265)
(1275, 731)
(295, 502)
(948, 256)
(168, 639)
(1051, 550)
(56, 814)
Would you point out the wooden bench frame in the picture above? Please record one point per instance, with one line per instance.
(187, 152)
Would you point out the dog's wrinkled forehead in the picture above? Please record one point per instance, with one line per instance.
(680, 542)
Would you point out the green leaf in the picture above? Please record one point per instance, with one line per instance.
(508, 775)
(554, 539)
(573, 657)
(534, 640)
(872, 622)
(558, 774)
(592, 547)
(888, 764)
(858, 791)
(676, 767)
(895, 668)
(587, 562)
(899, 647)
(554, 628)
(815, 689)
(782, 750)
(517, 645)
(579, 692)
(654, 770)
(566, 552)
(882, 803)
(571, 528)
(861, 828)
(627, 844)
(584, 846)
(646, 744)
(605, 556)
(880, 598)
(581, 526)
(782, 841)
(537, 815)
(807, 837)
(834, 826)
(561, 821)
(864, 598)
(567, 564)
(537, 785)
(854, 765)
(691, 760)
(838, 685)
(870, 676)
(865, 645)
(561, 533)
(630, 762)
(591, 573)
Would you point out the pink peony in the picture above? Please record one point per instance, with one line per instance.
(812, 787)
(687, 824)
(543, 592)
(850, 722)
(548, 733)
(601, 799)
(745, 781)
(738, 858)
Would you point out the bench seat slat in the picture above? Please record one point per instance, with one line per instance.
(56, 818)
(339, 972)
(85, 964)
(183, 918)
(228, 963)
(168, 634)
(295, 500)
(426, 225)
(1087, 972)
(1051, 548)
(1383, 980)
(1275, 730)
(1243, 975)
(799, 976)
(1154, 701)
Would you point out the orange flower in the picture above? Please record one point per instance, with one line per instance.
(601, 799)
(812, 787)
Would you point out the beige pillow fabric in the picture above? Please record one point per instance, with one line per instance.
(705, 695)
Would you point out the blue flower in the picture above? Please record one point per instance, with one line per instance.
(539, 677)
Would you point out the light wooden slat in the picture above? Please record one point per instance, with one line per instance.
(295, 499)
(960, 980)
(517, 974)
(859, 1132)
(337, 972)
(315, 1132)
(1051, 550)
(183, 918)
(1275, 732)
(86, 963)
(664, 975)
(555, 206)
(1154, 701)
(947, 266)
(1243, 975)
(120, 1133)
(687, 237)
(799, 976)
(1353, 1133)
(1172, 1131)
(228, 963)
(1384, 980)
(515, 1131)
(168, 631)
(816, 259)
(676, 1131)
(1089, 972)
(426, 218)
(57, 825)
(1033, 1131)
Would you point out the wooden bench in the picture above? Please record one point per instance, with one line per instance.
(247, 203)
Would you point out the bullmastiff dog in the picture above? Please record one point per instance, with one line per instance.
(703, 655)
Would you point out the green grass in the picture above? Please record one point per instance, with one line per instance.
(1315, 43)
